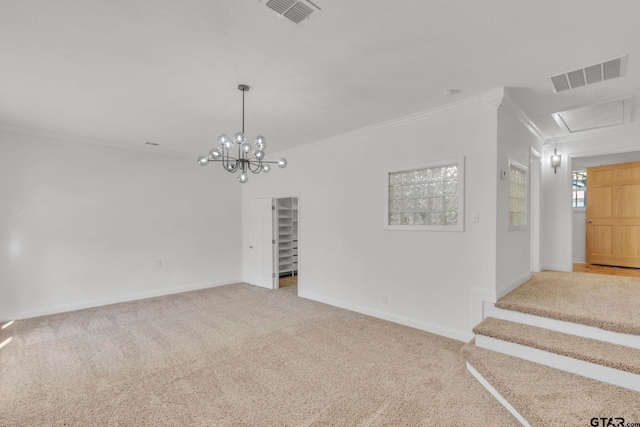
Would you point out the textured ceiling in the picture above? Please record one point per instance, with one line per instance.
(166, 71)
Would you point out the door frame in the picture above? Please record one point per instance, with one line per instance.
(567, 212)
(276, 266)
(535, 168)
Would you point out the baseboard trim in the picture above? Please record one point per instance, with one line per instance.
(557, 267)
(44, 311)
(424, 326)
(478, 298)
(497, 395)
(511, 285)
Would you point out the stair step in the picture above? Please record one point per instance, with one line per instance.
(633, 341)
(590, 350)
(605, 302)
(545, 396)
(5, 332)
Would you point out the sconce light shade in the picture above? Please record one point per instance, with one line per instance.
(556, 159)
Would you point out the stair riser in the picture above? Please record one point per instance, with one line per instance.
(497, 395)
(579, 367)
(5, 333)
(633, 341)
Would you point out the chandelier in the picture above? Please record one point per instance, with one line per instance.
(250, 157)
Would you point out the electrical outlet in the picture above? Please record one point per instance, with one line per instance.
(158, 263)
(384, 299)
(476, 217)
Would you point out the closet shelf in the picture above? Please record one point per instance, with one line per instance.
(287, 217)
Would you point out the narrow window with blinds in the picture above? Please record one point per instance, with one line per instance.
(517, 196)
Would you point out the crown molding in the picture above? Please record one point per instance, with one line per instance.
(495, 97)
(512, 107)
(93, 141)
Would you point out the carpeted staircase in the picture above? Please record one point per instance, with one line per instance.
(5, 333)
(549, 371)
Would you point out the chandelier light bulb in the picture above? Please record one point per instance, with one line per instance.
(266, 168)
(203, 160)
(238, 138)
(216, 153)
(224, 141)
(243, 178)
(258, 154)
(260, 142)
(246, 147)
(282, 163)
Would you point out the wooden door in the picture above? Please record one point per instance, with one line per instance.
(613, 215)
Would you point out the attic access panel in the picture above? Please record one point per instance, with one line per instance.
(606, 114)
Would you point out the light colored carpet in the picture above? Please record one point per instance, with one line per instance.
(590, 350)
(606, 302)
(235, 355)
(547, 397)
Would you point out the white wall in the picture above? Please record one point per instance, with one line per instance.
(513, 256)
(557, 238)
(579, 235)
(347, 258)
(83, 225)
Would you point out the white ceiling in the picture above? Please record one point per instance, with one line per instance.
(125, 72)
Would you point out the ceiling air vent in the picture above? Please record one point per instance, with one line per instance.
(296, 11)
(589, 75)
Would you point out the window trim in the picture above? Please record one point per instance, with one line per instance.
(458, 161)
(524, 169)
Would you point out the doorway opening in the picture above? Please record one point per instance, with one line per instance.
(610, 216)
(536, 177)
(286, 241)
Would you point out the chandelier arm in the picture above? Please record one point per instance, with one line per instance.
(258, 168)
(225, 157)
(227, 162)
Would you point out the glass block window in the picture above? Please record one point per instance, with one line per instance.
(517, 196)
(426, 197)
(579, 182)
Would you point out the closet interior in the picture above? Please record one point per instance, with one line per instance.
(287, 250)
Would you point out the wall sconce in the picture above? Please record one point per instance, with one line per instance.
(556, 159)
